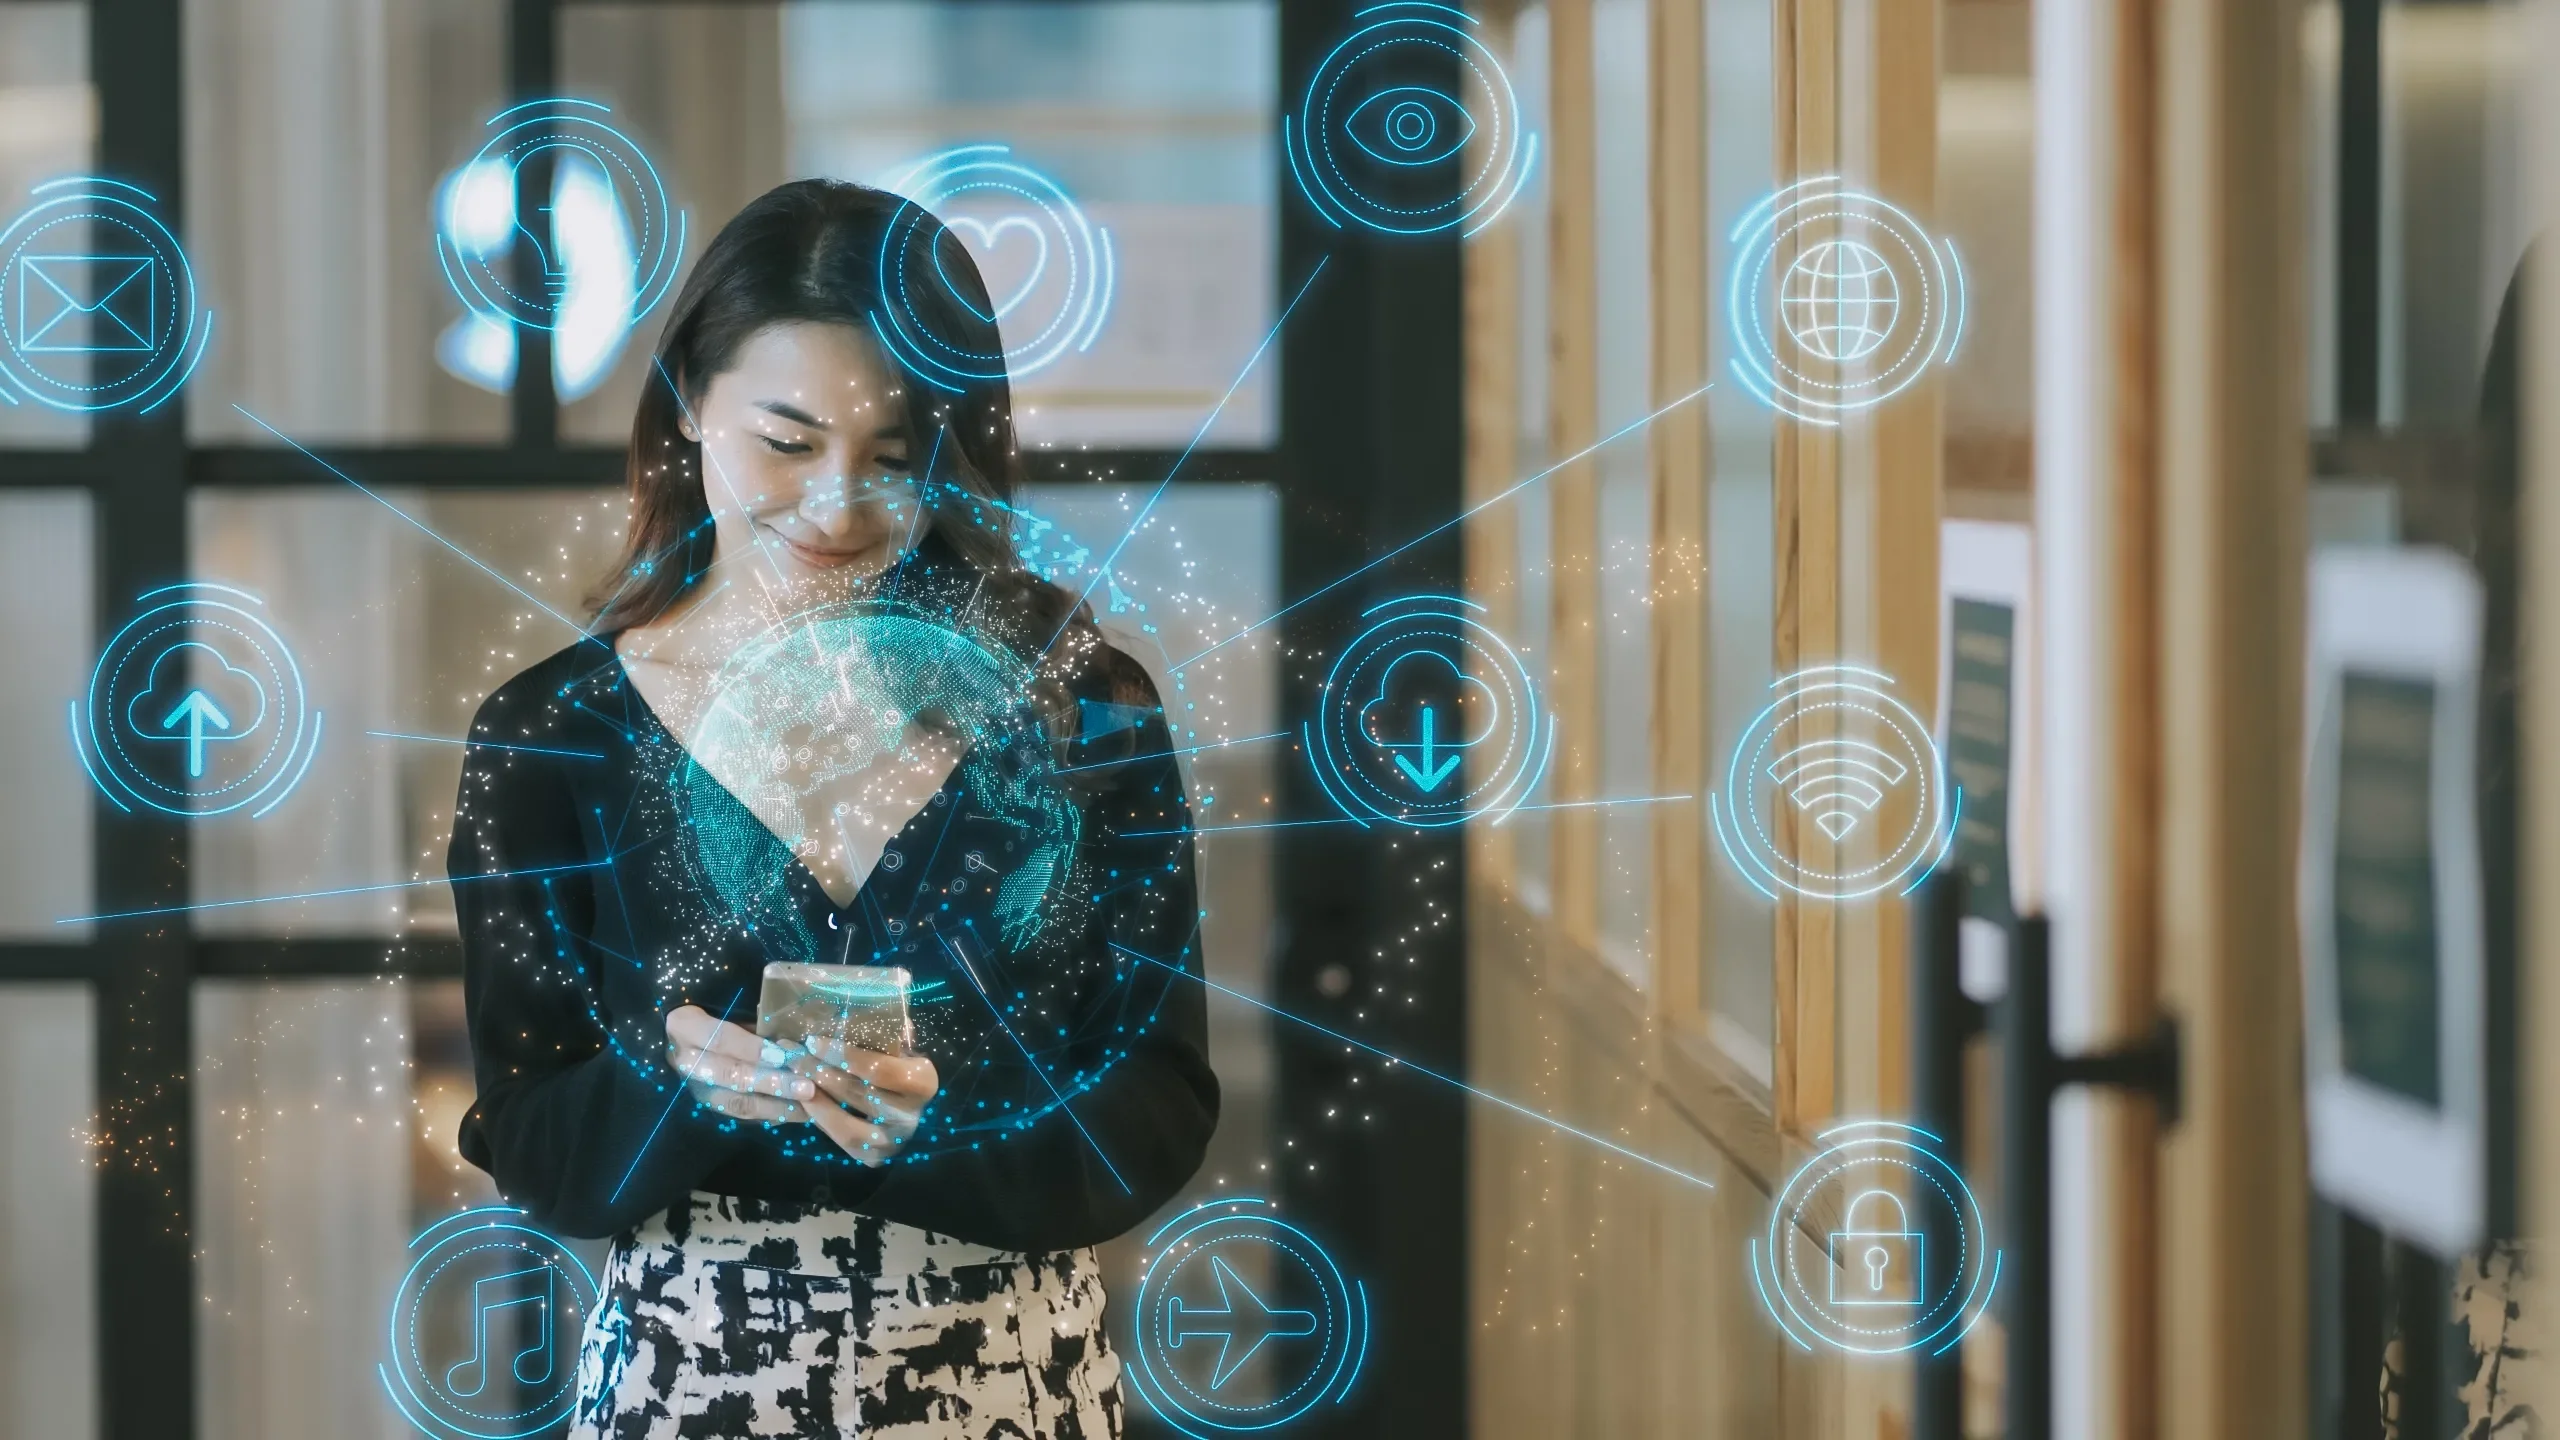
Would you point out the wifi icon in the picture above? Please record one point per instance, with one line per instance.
(1836, 782)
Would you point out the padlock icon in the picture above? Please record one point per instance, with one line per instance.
(1876, 1266)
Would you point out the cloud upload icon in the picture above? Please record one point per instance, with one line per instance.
(227, 704)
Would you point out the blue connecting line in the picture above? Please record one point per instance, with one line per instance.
(1398, 1060)
(1461, 518)
(487, 744)
(325, 894)
(698, 1057)
(421, 525)
(1194, 750)
(1196, 437)
(980, 986)
(1294, 824)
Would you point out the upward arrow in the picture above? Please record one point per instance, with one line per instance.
(198, 711)
(1427, 775)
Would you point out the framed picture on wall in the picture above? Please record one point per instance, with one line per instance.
(2390, 894)
(1985, 662)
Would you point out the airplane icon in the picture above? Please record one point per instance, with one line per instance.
(1254, 1322)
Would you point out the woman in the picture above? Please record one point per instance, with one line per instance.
(826, 1242)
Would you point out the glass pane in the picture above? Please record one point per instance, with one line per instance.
(399, 638)
(317, 136)
(2455, 222)
(48, 129)
(1742, 582)
(48, 1211)
(1534, 508)
(45, 582)
(1159, 118)
(325, 1116)
(1623, 254)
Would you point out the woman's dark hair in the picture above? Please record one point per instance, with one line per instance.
(810, 250)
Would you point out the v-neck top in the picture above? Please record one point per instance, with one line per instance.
(1076, 1092)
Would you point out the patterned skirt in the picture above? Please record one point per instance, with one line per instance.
(729, 1317)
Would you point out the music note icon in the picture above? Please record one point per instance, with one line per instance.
(502, 1292)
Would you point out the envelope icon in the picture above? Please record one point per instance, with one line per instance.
(82, 304)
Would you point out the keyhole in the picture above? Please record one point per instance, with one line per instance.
(1877, 1257)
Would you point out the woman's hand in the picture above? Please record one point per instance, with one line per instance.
(878, 1099)
(732, 1071)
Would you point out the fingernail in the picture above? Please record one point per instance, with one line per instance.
(802, 1090)
(775, 1055)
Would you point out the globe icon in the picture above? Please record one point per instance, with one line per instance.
(1839, 301)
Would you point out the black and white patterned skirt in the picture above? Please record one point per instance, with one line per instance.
(728, 1317)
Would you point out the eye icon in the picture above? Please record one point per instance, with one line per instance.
(1410, 125)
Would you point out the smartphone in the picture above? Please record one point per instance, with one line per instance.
(862, 1007)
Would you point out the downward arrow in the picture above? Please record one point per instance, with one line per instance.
(199, 711)
(1426, 775)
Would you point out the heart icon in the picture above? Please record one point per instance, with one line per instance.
(987, 242)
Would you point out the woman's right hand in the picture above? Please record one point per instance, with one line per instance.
(733, 1071)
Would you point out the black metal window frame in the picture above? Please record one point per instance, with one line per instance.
(1368, 453)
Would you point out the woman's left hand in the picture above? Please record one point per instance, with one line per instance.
(877, 1099)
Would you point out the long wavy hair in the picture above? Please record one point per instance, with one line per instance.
(810, 251)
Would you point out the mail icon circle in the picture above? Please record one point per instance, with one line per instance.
(97, 301)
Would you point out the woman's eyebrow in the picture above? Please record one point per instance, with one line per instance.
(791, 412)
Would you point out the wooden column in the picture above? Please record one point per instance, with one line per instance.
(1806, 523)
(1908, 447)
(1573, 315)
(2230, 438)
(1681, 713)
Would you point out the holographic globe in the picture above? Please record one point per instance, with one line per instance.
(1839, 301)
(866, 690)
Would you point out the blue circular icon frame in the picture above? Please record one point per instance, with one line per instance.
(169, 618)
(149, 329)
(1939, 1315)
(480, 274)
(1378, 185)
(1222, 1227)
(1744, 831)
(1371, 781)
(1928, 323)
(415, 1391)
(939, 190)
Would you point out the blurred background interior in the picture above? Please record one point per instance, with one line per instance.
(216, 1138)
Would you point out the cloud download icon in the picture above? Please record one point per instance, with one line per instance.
(1427, 714)
(1427, 687)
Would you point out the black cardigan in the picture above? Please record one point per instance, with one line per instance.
(568, 877)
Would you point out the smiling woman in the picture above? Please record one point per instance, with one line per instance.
(839, 724)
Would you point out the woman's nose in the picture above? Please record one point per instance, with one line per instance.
(827, 504)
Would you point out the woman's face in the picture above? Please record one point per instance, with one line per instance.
(805, 461)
